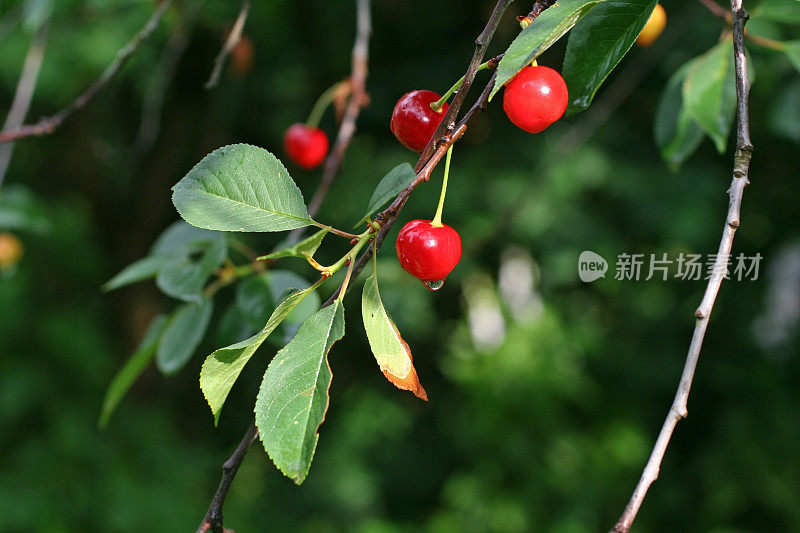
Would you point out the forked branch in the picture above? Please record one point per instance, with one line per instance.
(741, 165)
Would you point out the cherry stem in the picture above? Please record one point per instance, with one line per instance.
(321, 105)
(437, 220)
(437, 105)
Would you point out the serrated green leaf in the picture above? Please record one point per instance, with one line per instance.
(792, 51)
(185, 278)
(240, 188)
(709, 92)
(185, 329)
(390, 350)
(597, 44)
(293, 397)
(676, 134)
(786, 11)
(390, 186)
(131, 370)
(222, 368)
(549, 27)
(305, 248)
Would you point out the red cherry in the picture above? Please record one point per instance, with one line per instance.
(413, 120)
(428, 252)
(305, 146)
(535, 98)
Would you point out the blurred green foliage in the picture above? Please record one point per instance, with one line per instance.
(541, 423)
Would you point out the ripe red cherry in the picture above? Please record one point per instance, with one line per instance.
(305, 146)
(413, 120)
(428, 252)
(535, 98)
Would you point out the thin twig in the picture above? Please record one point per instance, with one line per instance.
(481, 44)
(49, 124)
(213, 518)
(744, 150)
(24, 93)
(230, 43)
(358, 79)
(716, 9)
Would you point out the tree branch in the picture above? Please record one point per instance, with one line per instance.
(213, 518)
(230, 43)
(744, 150)
(49, 124)
(24, 93)
(358, 79)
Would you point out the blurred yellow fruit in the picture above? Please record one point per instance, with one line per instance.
(10, 250)
(653, 28)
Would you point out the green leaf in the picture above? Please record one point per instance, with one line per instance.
(174, 249)
(222, 367)
(305, 248)
(597, 44)
(186, 327)
(786, 11)
(549, 27)
(260, 294)
(183, 277)
(20, 210)
(145, 268)
(390, 350)
(240, 188)
(709, 92)
(792, 51)
(390, 186)
(293, 397)
(676, 134)
(131, 370)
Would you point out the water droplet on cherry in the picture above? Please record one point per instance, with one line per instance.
(433, 285)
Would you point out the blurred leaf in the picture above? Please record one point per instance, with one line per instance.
(676, 134)
(183, 277)
(131, 370)
(240, 188)
(305, 248)
(390, 186)
(222, 367)
(786, 11)
(259, 295)
(186, 327)
(390, 350)
(785, 112)
(145, 268)
(21, 210)
(792, 52)
(293, 397)
(550, 26)
(597, 44)
(709, 92)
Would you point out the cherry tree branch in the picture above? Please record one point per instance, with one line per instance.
(24, 93)
(744, 150)
(48, 125)
(358, 79)
(230, 43)
(213, 519)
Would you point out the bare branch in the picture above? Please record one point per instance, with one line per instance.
(49, 124)
(24, 94)
(744, 150)
(213, 519)
(230, 43)
(358, 78)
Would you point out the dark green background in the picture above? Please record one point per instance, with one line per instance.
(546, 432)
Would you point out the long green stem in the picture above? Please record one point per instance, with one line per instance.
(437, 105)
(321, 105)
(437, 220)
